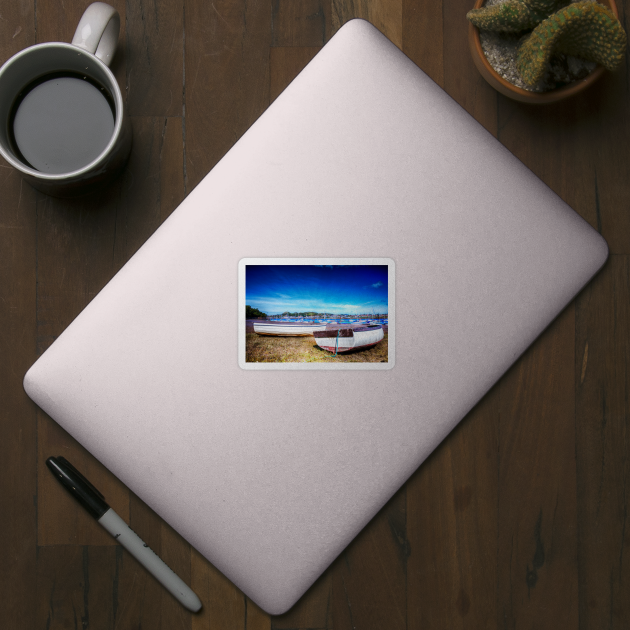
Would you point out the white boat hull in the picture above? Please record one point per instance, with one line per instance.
(287, 329)
(349, 339)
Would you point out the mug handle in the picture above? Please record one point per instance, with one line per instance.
(98, 30)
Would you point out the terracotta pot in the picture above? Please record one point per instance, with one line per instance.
(518, 94)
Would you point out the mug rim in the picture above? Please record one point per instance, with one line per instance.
(118, 122)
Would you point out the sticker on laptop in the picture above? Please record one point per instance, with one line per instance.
(316, 313)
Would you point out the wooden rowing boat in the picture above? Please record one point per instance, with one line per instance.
(346, 338)
(287, 329)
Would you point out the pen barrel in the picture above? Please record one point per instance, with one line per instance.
(149, 559)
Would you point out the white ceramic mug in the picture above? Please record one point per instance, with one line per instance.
(87, 57)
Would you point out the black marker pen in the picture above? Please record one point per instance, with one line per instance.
(94, 502)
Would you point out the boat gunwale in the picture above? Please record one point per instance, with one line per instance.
(345, 331)
(290, 324)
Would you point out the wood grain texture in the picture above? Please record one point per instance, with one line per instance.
(559, 148)
(151, 605)
(60, 520)
(151, 187)
(57, 22)
(386, 15)
(17, 28)
(313, 610)
(76, 587)
(452, 515)
(602, 380)
(519, 519)
(422, 36)
(154, 57)
(301, 23)
(226, 78)
(285, 64)
(537, 509)
(369, 577)
(18, 416)
(574, 149)
(224, 606)
(461, 79)
(609, 133)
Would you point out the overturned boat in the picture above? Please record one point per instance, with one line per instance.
(346, 338)
(287, 329)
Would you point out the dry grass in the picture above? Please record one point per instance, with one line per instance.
(271, 349)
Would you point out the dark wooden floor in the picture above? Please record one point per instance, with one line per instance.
(518, 520)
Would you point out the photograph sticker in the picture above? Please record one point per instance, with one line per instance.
(316, 313)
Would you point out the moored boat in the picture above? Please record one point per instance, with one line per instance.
(288, 329)
(346, 338)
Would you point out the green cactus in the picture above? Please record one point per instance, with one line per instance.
(513, 16)
(583, 29)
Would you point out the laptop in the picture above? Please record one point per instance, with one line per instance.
(270, 468)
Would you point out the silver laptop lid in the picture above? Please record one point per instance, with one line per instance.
(271, 473)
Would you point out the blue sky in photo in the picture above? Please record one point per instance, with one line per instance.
(338, 289)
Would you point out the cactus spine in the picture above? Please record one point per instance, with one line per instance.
(583, 29)
(513, 16)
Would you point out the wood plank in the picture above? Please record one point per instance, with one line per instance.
(300, 23)
(572, 148)
(18, 416)
(76, 587)
(461, 78)
(558, 147)
(423, 36)
(61, 520)
(154, 57)
(224, 606)
(17, 28)
(255, 618)
(369, 577)
(55, 23)
(313, 610)
(285, 64)
(226, 78)
(176, 552)
(603, 468)
(452, 526)
(386, 15)
(537, 537)
(608, 126)
(171, 159)
(142, 600)
(74, 248)
(18, 422)
(152, 185)
(566, 149)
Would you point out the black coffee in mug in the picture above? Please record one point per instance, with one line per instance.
(61, 122)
